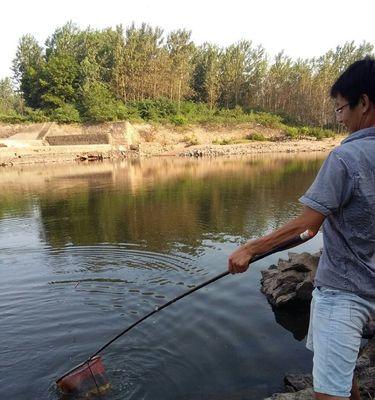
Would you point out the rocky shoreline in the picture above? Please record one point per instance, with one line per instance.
(288, 285)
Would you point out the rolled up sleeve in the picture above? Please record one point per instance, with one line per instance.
(332, 188)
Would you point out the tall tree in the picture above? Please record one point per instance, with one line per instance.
(10, 101)
(27, 67)
(235, 61)
(206, 75)
(181, 51)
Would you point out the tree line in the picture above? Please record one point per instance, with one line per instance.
(140, 72)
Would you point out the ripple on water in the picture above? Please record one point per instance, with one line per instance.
(123, 270)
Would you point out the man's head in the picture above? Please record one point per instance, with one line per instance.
(354, 94)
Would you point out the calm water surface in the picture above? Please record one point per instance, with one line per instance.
(86, 250)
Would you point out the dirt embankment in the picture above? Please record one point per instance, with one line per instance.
(49, 142)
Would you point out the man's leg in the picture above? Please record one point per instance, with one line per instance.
(337, 326)
(354, 394)
(322, 396)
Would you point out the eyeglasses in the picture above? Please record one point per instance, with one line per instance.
(339, 110)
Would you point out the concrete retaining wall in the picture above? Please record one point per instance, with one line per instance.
(88, 138)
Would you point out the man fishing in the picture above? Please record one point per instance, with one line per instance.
(342, 199)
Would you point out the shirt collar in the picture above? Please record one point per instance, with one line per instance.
(367, 132)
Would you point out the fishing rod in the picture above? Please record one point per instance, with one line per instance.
(93, 369)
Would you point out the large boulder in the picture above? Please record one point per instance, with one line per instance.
(290, 280)
(289, 285)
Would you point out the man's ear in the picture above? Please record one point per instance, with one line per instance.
(365, 103)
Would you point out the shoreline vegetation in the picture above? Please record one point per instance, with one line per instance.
(177, 97)
(143, 74)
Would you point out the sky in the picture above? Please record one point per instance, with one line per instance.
(302, 28)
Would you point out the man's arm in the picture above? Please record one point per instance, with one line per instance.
(309, 219)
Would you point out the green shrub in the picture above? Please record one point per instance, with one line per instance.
(190, 140)
(65, 114)
(98, 103)
(291, 132)
(179, 120)
(129, 112)
(266, 119)
(12, 118)
(29, 115)
(36, 115)
(256, 136)
(227, 141)
(320, 133)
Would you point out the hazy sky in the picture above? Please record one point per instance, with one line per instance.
(302, 28)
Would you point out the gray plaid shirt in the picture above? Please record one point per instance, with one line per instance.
(344, 191)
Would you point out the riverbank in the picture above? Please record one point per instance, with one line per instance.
(52, 143)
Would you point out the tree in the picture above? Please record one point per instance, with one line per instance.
(181, 50)
(10, 101)
(235, 60)
(27, 67)
(206, 75)
(98, 103)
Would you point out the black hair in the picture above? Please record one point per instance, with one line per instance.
(356, 80)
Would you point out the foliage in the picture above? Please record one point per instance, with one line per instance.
(27, 69)
(12, 117)
(98, 104)
(298, 132)
(179, 120)
(226, 141)
(32, 115)
(256, 137)
(65, 113)
(191, 140)
(140, 73)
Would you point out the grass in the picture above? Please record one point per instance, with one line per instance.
(183, 114)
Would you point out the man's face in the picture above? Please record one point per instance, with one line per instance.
(351, 118)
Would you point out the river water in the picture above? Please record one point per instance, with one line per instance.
(87, 249)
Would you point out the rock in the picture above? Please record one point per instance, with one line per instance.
(306, 394)
(369, 330)
(299, 386)
(304, 290)
(290, 283)
(89, 157)
(365, 370)
(295, 382)
(291, 280)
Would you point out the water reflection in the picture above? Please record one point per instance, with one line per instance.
(87, 249)
(173, 202)
(295, 319)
